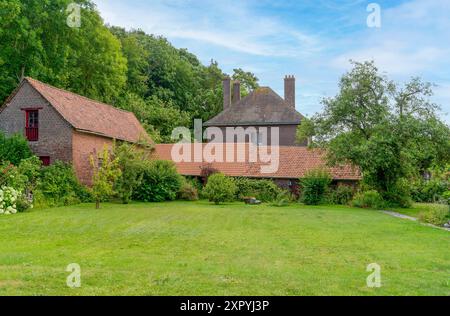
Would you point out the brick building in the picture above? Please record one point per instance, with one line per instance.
(292, 164)
(262, 109)
(61, 125)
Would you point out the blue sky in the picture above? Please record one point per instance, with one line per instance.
(311, 39)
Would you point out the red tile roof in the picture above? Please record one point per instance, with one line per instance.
(91, 116)
(294, 162)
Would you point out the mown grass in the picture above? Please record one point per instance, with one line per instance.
(184, 248)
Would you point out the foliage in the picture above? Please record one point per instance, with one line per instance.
(314, 186)
(368, 199)
(8, 199)
(282, 199)
(392, 133)
(248, 80)
(105, 172)
(263, 190)
(160, 182)
(341, 195)
(29, 171)
(220, 188)
(163, 85)
(434, 189)
(13, 149)
(188, 191)
(37, 42)
(446, 196)
(399, 194)
(131, 161)
(23, 203)
(437, 214)
(57, 186)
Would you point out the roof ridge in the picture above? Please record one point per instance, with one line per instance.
(76, 94)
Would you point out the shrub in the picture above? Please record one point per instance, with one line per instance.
(188, 191)
(368, 199)
(160, 182)
(282, 199)
(314, 186)
(399, 195)
(263, 190)
(341, 195)
(58, 186)
(437, 214)
(8, 199)
(131, 163)
(14, 149)
(220, 188)
(104, 176)
(29, 170)
(23, 203)
(446, 196)
(428, 191)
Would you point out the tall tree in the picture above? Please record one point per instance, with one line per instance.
(390, 132)
(37, 41)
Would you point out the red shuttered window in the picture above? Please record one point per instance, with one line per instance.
(32, 125)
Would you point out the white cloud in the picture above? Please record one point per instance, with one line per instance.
(216, 23)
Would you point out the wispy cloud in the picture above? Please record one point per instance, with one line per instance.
(220, 23)
(313, 39)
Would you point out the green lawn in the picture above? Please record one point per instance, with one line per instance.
(183, 248)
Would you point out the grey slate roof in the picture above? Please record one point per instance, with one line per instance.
(261, 107)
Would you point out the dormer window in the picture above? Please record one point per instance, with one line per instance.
(32, 125)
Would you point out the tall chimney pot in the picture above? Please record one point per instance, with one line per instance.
(226, 92)
(289, 90)
(236, 91)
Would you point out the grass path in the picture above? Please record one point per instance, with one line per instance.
(184, 248)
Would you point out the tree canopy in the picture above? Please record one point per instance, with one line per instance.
(391, 132)
(163, 85)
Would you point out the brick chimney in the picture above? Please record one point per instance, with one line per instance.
(236, 91)
(226, 92)
(289, 90)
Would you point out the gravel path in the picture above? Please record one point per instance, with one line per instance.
(402, 216)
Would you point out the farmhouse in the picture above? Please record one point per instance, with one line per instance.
(61, 125)
(262, 109)
(292, 163)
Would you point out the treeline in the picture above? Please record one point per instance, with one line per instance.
(164, 86)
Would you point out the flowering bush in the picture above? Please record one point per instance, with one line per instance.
(8, 199)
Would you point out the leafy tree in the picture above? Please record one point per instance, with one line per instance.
(106, 171)
(137, 60)
(14, 149)
(390, 132)
(220, 188)
(97, 66)
(156, 115)
(37, 42)
(248, 80)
